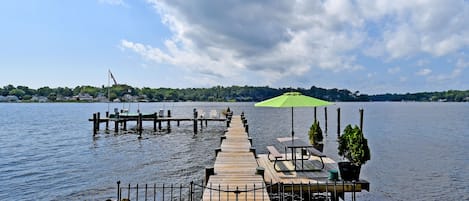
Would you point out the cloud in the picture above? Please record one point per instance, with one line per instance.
(434, 27)
(293, 38)
(424, 72)
(457, 71)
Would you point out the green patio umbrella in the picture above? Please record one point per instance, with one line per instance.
(292, 99)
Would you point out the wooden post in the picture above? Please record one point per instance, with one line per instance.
(315, 114)
(124, 123)
(178, 122)
(159, 125)
(98, 119)
(253, 150)
(169, 113)
(206, 123)
(325, 118)
(201, 124)
(116, 125)
(195, 121)
(209, 171)
(338, 122)
(361, 119)
(246, 129)
(107, 122)
(168, 125)
(94, 124)
(155, 118)
(140, 126)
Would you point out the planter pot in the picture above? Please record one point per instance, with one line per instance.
(348, 171)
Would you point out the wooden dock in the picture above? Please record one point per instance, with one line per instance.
(235, 170)
(298, 180)
(120, 121)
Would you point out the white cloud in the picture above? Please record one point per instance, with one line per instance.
(424, 72)
(411, 27)
(293, 38)
(457, 71)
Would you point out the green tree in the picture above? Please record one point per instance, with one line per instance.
(17, 92)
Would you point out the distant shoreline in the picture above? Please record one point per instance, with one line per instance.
(126, 93)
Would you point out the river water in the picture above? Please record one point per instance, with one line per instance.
(48, 152)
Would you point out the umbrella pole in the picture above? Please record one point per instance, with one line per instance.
(292, 132)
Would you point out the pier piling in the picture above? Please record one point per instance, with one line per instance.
(315, 114)
(155, 118)
(195, 120)
(325, 119)
(107, 122)
(98, 115)
(94, 124)
(361, 118)
(338, 122)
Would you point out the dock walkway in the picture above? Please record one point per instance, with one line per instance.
(235, 169)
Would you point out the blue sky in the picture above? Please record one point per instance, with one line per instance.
(366, 45)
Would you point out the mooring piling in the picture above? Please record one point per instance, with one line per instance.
(338, 122)
(325, 119)
(107, 122)
(361, 118)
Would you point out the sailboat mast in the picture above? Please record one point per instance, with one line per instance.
(108, 89)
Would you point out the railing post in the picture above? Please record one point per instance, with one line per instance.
(191, 190)
(118, 190)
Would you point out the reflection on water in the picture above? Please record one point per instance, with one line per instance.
(419, 150)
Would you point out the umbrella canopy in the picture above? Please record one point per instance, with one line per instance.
(292, 99)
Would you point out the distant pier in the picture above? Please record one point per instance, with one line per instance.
(120, 120)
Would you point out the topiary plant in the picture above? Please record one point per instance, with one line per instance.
(315, 133)
(354, 146)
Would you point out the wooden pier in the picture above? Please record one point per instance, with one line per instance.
(238, 170)
(235, 174)
(120, 121)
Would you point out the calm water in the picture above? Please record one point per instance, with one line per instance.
(47, 152)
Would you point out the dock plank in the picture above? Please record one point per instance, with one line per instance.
(235, 169)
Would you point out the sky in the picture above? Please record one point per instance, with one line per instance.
(371, 46)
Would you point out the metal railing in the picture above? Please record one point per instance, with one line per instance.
(275, 192)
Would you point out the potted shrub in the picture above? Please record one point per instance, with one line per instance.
(315, 136)
(354, 147)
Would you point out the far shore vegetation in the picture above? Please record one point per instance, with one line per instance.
(126, 93)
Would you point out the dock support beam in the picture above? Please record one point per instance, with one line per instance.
(155, 118)
(338, 122)
(195, 121)
(116, 126)
(361, 119)
(94, 124)
(139, 125)
(98, 115)
(315, 114)
(325, 119)
(107, 122)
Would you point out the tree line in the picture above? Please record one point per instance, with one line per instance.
(217, 93)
